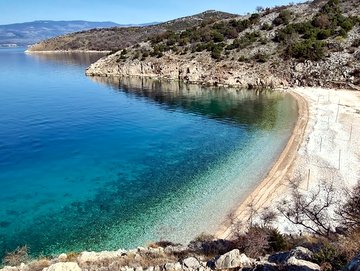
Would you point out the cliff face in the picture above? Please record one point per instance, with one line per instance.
(205, 72)
(311, 44)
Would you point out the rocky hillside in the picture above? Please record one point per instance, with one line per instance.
(311, 44)
(116, 38)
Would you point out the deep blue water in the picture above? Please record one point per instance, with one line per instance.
(103, 163)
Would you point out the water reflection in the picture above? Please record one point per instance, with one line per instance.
(82, 59)
(238, 106)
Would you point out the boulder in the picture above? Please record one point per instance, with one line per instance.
(63, 267)
(172, 266)
(62, 257)
(87, 257)
(301, 265)
(233, 259)
(300, 253)
(9, 268)
(175, 249)
(354, 265)
(191, 263)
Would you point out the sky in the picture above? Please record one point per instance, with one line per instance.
(121, 11)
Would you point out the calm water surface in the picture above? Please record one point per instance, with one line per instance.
(101, 163)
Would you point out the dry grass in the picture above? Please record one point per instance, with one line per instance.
(16, 257)
(349, 245)
(72, 256)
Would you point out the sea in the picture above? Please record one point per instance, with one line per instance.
(91, 163)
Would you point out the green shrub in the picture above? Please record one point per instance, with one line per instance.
(231, 33)
(356, 43)
(261, 57)
(346, 24)
(276, 240)
(342, 33)
(330, 255)
(145, 54)
(242, 59)
(283, 18)
(216, 51)
(254, 18)
(307, 50)
(266, 27)
(323, 34)
(217, 37)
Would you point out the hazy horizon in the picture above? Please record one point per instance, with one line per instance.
(124, 12)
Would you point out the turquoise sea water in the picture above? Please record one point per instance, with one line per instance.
(103, 163)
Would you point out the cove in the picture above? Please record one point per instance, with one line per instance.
(108, 163)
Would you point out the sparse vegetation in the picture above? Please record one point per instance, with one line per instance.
(283, 18)
(16, 257)
(308, 49)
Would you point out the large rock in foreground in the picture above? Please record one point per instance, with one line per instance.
(233, 259)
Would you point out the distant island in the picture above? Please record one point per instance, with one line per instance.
(24, 34)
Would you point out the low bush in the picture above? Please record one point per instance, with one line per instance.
(306, 50)
(283, 18)
(261, 57)
(356, 43)
(328, 255)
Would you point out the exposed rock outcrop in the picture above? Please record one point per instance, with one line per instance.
(166, 259)
(233, 259)
(203, 72)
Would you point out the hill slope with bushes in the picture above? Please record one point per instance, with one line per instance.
(314, 43)
(116, 38)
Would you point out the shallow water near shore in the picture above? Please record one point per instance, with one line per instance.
(104, 163)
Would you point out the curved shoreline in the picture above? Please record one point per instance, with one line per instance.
(66, 51)
(263, 194)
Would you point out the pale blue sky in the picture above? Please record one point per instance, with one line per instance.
(120, 11)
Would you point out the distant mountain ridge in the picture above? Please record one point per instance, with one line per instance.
(23, 34)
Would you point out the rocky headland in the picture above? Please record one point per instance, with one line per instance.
(310, 44)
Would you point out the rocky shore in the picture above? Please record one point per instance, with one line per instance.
(334, 72)
(176, 258)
